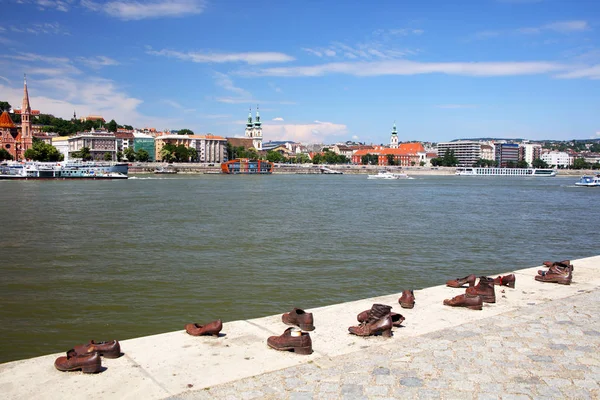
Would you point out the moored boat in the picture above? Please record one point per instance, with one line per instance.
(490, 171)
(247, 166)
(589, 181)
(62, 170)
(329, 171)
(165, 170)
(388, 175)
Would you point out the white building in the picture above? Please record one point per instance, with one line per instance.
(557, 159)
(394, 138)
(254, 130)
(62, 145)
(467, 152)
(210, 148)
(531, 152)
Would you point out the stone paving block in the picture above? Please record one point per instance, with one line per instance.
(379, 390)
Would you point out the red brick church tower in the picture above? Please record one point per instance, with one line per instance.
(26, 136)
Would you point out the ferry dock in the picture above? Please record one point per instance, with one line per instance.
(539, 340)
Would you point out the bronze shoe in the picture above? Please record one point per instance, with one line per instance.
(485, 289)
(212, 328)
(407, 300)
(459, 282)
(397, 319)
(110, 349)
(369, 328)
(285, 342)
(88, 363)
(299, 318)
(464, 300)
(556, 276)
(507, 280)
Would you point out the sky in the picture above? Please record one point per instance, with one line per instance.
(319, 71)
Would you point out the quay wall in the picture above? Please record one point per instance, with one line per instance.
(175, 363)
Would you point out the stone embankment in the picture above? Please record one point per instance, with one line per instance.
(539, 340)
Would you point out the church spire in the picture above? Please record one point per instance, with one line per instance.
(25, 107)
(257, 123)
(249, 117)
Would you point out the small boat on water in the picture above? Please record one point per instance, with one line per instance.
(589, 181)
(32, 170)
(388, 175)
(247, 166)
(491, 171)
(165, 170)
(329, 171)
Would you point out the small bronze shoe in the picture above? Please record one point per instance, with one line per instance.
(507, 280)
(484, 288)
(397, 319)
(299, 318)
(381, 326)
(88, 363)
(212, 328)
(556, 276)
(464, 300)
(460, 282)
(301, 344)
(111, 349)
(407, 300)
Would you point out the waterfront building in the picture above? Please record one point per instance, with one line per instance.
(507, 153)
(142, 141)
(394, 138)
(176, 140)
(468, 152)
(210, 148)
(487, 152)
(529, 152)
(406, 155)
(99, 142)
(559, 159)
(124, 140)
(14, 140)
(62, 145)
(254, 130)
(92, 118)
(344, 150)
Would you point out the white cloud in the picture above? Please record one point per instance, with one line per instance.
(98, 61)
(46, 28)
(58, 65)
(249, 58)
(278, 119)
(55, 4)
(592, 72)
(5, 79)
(2, 29)
(137, 10)
(405, 67)
(317, 132)
(563, 27)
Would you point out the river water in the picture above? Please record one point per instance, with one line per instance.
(120, 259)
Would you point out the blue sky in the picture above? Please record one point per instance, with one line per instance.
(321, 72)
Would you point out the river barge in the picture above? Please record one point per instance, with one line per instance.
(247, 166)
(63, 170)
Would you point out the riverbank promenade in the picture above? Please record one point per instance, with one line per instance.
(538, 341)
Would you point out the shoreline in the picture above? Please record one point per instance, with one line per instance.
(175, 363)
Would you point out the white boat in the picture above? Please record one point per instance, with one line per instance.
(388, 175)
(487, 171)
(61, 170)
(325, 170)
(589, 181)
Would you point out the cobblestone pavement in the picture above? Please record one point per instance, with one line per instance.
(544, 351)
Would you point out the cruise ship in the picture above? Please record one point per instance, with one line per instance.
(487, 171)
(247, 166)
(63, 170)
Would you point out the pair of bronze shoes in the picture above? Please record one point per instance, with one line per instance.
(379, 320)
(86, 357)
(475, 295)
(560, 272)
(294, 339)
(506, 280)
(212, 328)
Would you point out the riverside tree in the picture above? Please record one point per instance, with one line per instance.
(41, 151)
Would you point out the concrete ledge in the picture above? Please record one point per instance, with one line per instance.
(169, 364)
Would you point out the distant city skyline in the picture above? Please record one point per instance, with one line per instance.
(320, 72)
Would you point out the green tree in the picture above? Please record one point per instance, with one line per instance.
(4, 106)
(41, 151)
(107, 156)
(390, 159)
(510, 164)
(111, 126)
(369, 159)
(193, 154)
(119, 156)
(167, 152)
(84, 154)
(185, 132)
(539, 163)
(5, 155)
(130, 153)
(580, 163)
(421, 163)
(181, 153)
(522, 164)
(275, 156)
(128, 127)
(142, 155)
(302, 158)
(436, 162)
(449, 159)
